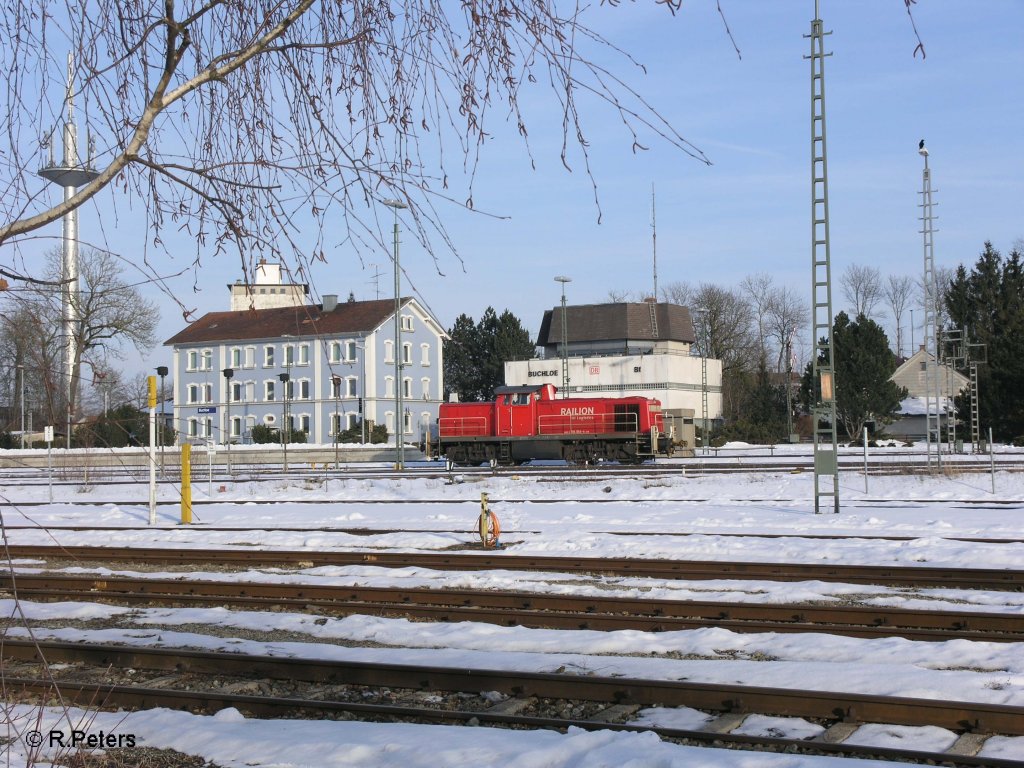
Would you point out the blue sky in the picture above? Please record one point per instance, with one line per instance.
(749, 211)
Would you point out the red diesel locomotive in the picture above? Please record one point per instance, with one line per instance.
(528, 422)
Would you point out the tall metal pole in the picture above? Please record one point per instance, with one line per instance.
(399, 416)
(362, 391)
(228, 374)
(823, 414)
(931, 399)
(70, 175)
(565, 338)
(284, 377)
(21, 398)
(162, 372)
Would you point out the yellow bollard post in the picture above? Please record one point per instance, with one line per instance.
(489, 526)
(186, 484)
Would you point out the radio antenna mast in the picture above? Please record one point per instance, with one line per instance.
(654, 244)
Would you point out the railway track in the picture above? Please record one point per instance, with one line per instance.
(528, 700)
(527, 609)
(136, 471)
(904, 576)
(382, 531)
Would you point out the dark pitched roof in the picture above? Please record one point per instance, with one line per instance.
(617, 322)
(308, 320)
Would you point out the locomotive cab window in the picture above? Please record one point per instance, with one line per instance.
(523, 398)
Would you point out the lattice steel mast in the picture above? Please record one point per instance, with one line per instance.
(932, 409)
(823, 413)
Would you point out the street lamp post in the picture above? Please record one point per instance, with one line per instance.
(161, 371)
(21, 398)
(336, 383)
(565, 338)
(362, 391)
(399, 419)
(228, 373)
(284, 377)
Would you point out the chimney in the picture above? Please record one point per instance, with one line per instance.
(330, 302)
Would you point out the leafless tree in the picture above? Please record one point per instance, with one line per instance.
(111, 313)
(678, 292)
(723, 321)
(249, 125)
(862, 288)
(759, 289)
(898, 291)
(787, 315)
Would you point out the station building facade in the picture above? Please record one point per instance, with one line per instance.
(626, 348)
(325, 365)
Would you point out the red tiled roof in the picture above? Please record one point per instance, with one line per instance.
(308, 320)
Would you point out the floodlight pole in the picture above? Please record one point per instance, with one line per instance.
(565, 338)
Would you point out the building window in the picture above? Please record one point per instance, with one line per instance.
(425, 385)
(424, 354)
(193, 361)
(389, 422)
(353, 420)
(268, 390)
(334, 354)
(236, 357)
(389, 351)
(406, 322)
(207, 364)
(268, 357)
(236, 426)
(250, 422)
(193, 393)
(335, 424)
(250, 391)
(304, 423)
(406, 354)
(335, 387)
(350, 351)
(304, 389)
(207, 393)
(389, 386)
(303, 354)
(289, 355)
(193, 428)
(289, 390)
(407, 423)
(236, 392)
(250, 357)
(351, 387)
(209, 428)
(407, 388)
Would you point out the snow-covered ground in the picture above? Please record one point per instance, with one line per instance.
(724, 517)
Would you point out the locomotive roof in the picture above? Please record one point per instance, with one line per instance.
(622, 321)
(519, 390)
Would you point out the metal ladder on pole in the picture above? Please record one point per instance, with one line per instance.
(826, 464)
(933, 422)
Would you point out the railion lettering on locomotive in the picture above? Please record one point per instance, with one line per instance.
(578, 411)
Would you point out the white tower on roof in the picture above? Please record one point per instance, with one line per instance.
(268, 291)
